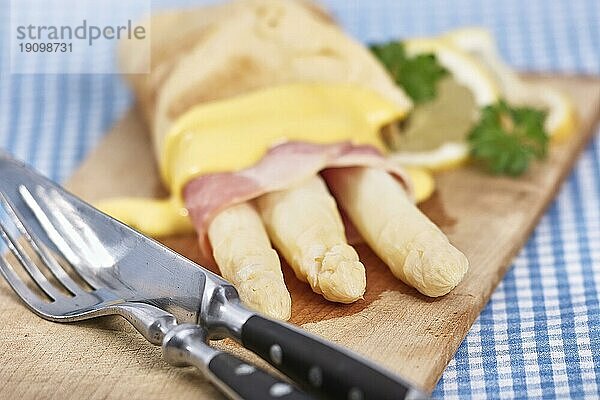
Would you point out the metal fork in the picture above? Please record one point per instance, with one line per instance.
(183, 344)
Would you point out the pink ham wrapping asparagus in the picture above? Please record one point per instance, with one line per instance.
(284, 166)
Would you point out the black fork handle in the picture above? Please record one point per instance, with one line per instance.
(185, 345)
(245, 381)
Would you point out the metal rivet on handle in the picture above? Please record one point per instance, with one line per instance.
(244, 369)
(315, 376)
(280, 389)
(355, 394)
(276, 354)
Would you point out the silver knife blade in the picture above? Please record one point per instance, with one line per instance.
(133, 266)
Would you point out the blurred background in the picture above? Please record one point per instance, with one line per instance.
(540, 334)
(546, 36)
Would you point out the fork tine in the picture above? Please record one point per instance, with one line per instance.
(19, 252)
(44, 255)
(32, 300)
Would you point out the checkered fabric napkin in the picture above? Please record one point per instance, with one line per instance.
(539, 337)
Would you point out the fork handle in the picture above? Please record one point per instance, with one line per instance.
(185, 346)
(250, 382)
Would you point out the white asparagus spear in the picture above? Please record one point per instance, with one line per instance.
(416, 250)
(245, 257)
(305, 226)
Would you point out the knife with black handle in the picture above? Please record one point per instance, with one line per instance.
(317, 366)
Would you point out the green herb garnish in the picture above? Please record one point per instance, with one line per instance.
(507, 138)
(417, 75)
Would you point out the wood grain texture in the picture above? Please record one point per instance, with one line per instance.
(488, 218)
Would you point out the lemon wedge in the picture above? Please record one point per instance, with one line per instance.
(561, 120)
(434, 135)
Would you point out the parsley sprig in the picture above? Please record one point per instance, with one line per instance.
(507, 138)
(417, 75)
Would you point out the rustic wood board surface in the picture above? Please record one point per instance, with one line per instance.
(488, 218)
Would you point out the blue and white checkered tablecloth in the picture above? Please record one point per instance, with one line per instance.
(539, 337)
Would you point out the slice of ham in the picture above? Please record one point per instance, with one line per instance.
(284, 166)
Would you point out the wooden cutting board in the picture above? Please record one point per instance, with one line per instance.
(488, 218)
